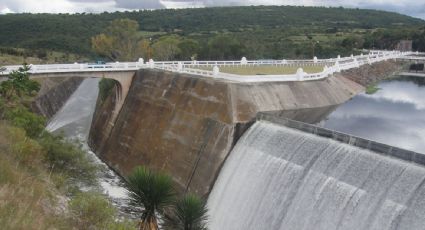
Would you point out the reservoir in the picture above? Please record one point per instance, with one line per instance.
(394, 115)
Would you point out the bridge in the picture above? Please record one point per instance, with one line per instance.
(416, 58)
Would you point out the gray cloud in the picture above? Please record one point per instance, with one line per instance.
(138, 4)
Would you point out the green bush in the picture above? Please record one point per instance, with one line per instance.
(91, 211)
(68, 158)
(19, 84)
(372, 89)
(23, 118)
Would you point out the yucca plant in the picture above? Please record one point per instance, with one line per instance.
(153, 191)
(189, 213)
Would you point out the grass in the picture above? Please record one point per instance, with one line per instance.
(26, 192)
(372, 89)
(52, 57)
(31, 197)
(263, 70)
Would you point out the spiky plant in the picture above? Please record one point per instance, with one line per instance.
(153, 191)
(189, 213)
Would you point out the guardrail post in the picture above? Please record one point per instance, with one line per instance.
(300, 74)
(338, 68)
(326, 70)
(33, 68)
(244, 61)
(151, 64)
(216, 71)
(315, 59)
(179, 66)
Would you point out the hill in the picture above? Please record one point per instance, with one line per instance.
(277, 29)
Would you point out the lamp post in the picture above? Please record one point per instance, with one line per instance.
(313, 46)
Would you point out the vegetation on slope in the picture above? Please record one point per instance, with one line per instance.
(41, 174)
(17, 56)
(372, 89)
(254, 31)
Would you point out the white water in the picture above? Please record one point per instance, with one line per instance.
(285, 179)
(74, 121)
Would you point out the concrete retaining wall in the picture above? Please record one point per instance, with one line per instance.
(347, 139)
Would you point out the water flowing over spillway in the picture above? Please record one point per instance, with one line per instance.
(280, 178)
(74, 120)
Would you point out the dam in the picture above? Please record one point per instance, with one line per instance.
(282, 178)
(260, 174)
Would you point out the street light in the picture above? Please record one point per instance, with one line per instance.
(313, 46)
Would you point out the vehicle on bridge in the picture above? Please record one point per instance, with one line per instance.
(98, 64)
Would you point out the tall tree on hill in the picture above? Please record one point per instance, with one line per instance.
(166, 48)
(189, 49)
(121, 41)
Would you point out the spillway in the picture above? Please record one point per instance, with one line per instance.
(285, 179)
(73, 120)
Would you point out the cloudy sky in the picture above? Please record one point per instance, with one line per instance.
(414, 8)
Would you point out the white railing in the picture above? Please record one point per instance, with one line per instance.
(83, 67)
(337, 65)
(330, 66)
(417, 58)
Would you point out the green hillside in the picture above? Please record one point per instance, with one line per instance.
(263, 31)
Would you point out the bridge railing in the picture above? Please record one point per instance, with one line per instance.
(78, 67)
(337, 65)
(330, 66)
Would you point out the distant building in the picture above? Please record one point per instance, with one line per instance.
(404, 45)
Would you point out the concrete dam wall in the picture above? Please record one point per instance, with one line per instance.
(186, 125)
(282, 178)
(54, 93)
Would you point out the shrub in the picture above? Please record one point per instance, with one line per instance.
(92, 211)
(68, 158)
(23, 118)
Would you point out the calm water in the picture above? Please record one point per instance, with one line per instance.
(395, 115)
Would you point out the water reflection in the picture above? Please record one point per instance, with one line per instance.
(395, 115)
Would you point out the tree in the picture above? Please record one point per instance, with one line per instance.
(189, 213)
(19, 84)
(353, 42)
(189, 49)
(145, 49)
(224, 47)
(151, 190)
(121, 41)
(166, 48)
